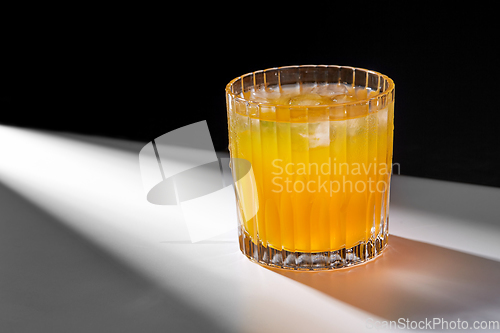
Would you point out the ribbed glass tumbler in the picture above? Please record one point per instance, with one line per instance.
(319, 142)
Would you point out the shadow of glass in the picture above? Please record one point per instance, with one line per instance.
(413, 280)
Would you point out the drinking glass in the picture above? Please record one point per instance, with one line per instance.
(319, 141)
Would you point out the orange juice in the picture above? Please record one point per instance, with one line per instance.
(321, 183)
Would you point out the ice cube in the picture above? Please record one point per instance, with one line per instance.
(309, 100)
(344, 98)
(271, 95)
(372, 93)
(263, 96)
(361, 93)
(357, 127)
(330, 90)
(319, 134)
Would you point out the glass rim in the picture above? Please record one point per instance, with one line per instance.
(237, 97)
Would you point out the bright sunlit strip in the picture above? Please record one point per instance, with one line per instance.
(97, 191)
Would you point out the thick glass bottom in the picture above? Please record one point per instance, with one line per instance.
(312, 261)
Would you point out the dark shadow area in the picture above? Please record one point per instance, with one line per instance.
(53, 280)
(470, 203)
(413, 280)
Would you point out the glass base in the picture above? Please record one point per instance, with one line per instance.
(312, 261)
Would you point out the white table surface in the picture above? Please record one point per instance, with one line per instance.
(81, 250)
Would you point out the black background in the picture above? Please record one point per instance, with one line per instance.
(138, 77)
